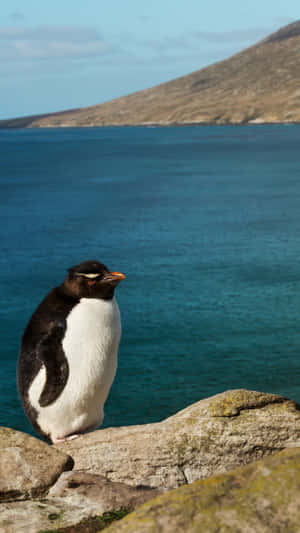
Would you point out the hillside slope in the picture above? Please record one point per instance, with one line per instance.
(259, 84)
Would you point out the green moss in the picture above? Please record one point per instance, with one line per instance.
(49, 531)
(92, 524)
(55, 516)
(116, 515)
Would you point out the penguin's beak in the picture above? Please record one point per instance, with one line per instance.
(113, 277)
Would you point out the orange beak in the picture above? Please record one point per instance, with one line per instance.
(118, 275)
(113, 277)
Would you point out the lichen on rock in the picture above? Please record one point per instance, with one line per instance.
(207, 438)
(261, 497)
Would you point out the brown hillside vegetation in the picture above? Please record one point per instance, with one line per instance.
(261, 84)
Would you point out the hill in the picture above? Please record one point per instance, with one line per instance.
(261, 84)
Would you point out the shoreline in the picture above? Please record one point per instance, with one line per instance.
(28, 126)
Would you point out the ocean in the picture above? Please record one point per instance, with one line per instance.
(204, 222)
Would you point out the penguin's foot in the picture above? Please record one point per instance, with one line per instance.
(64, 439)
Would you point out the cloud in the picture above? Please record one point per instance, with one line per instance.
(199, 39)
(48, 49)
(282, 21)
(50, 33)
(233, 36)
(22, 44)
(17, 16)
(51, 42)
(53, 50)
(146, 18)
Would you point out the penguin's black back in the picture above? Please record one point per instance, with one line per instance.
(42, 345)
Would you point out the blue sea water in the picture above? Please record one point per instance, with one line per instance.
(204, 221)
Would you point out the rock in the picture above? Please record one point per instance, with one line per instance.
(116, 468)
(97, 493)
(263, 497)
(28, 466)
(76, 496)
(210, 437)
(38, 516)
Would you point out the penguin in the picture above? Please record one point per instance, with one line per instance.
(68, 355)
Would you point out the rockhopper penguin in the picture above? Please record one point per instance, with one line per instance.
(68, 356)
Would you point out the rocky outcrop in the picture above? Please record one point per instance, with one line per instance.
(28, 466)
(121, 468)
(263, 497)
(214, 435)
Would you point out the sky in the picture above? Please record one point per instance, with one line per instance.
(66, 54)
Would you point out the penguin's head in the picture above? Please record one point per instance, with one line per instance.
(92, 279)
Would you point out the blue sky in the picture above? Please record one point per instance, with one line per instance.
(64, 54)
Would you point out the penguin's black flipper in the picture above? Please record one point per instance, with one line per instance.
(57, 369)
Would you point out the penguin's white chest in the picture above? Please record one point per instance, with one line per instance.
(91, 346)
(91, 342)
